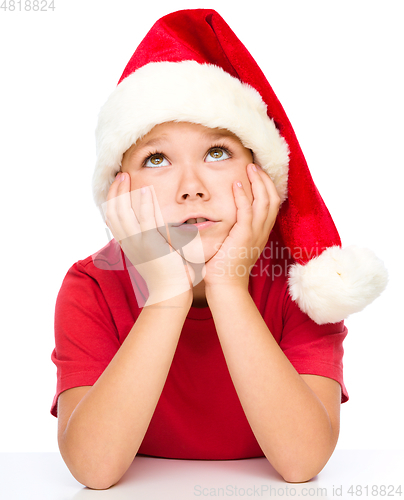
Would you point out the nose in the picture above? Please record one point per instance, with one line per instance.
(192, 187)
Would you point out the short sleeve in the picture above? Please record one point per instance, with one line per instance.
(86, 338)
(312, 348)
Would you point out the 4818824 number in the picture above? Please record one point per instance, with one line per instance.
(375, 491)
(28, 5)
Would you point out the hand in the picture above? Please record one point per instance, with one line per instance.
(239, 252)
(134, 219)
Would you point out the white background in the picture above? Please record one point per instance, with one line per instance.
(336, 68)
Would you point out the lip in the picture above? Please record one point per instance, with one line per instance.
(194, 216)
(199, 225)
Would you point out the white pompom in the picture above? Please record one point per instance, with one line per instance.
(337, 283)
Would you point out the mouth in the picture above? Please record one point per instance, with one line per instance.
(195, 222)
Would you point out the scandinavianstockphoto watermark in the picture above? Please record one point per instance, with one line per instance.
(142, 246)
(301, 490)
(263, 490)
(146, 250)
(273, 261)
(272, 251)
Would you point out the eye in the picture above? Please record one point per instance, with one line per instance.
(156, 160)
(217, 154)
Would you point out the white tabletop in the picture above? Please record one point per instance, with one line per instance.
(44, 476)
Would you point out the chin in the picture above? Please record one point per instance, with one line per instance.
(193, 251)
(199, 251)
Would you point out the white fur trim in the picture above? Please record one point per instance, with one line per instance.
(185, 92)
(337, 283)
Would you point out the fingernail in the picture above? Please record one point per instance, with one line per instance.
(239, 184)
(118, 176)
(254, 167)
(122, 177)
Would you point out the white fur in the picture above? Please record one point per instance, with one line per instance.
(185, 92)
(337, 283)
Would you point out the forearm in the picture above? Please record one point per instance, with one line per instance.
(107, 427)
(289, 421)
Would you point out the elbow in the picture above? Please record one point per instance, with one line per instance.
(300, 471)
(98, 479)
(96, 473)
(303, 467)
(98, 483)
(298, 476)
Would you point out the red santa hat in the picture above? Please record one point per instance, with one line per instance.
(191, 67)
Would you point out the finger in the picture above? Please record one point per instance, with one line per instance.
(274, 198)
(109, 210)
(124, 214)
(152, 241)
(146, 216)
(269, 183)
(136, 197)
(274, 204)
(261, 201)
(162, 227)
(157, 210)
(244, 208)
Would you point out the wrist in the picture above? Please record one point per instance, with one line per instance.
(225, 290)
(170, 299)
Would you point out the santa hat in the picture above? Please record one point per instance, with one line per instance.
(191, 67)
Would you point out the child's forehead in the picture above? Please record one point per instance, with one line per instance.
(165, 131)
(167, 128)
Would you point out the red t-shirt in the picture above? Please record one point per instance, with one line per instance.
(199, 415)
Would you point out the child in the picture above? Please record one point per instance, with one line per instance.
(210, 339)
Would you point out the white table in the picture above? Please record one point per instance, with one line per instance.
(44, 476)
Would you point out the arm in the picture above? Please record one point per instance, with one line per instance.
(101, 436)
(101, 428)
(295, 418)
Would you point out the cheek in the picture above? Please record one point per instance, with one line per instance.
(161, 193)
(137, 180)
(226, 195)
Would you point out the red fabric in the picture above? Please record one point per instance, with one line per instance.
(199, 415)
(304, 224)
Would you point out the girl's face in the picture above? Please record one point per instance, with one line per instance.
(192, 169)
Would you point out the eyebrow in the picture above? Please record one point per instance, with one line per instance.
(219, 135)
(161, 139)
(152, 142)
(206, 134)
